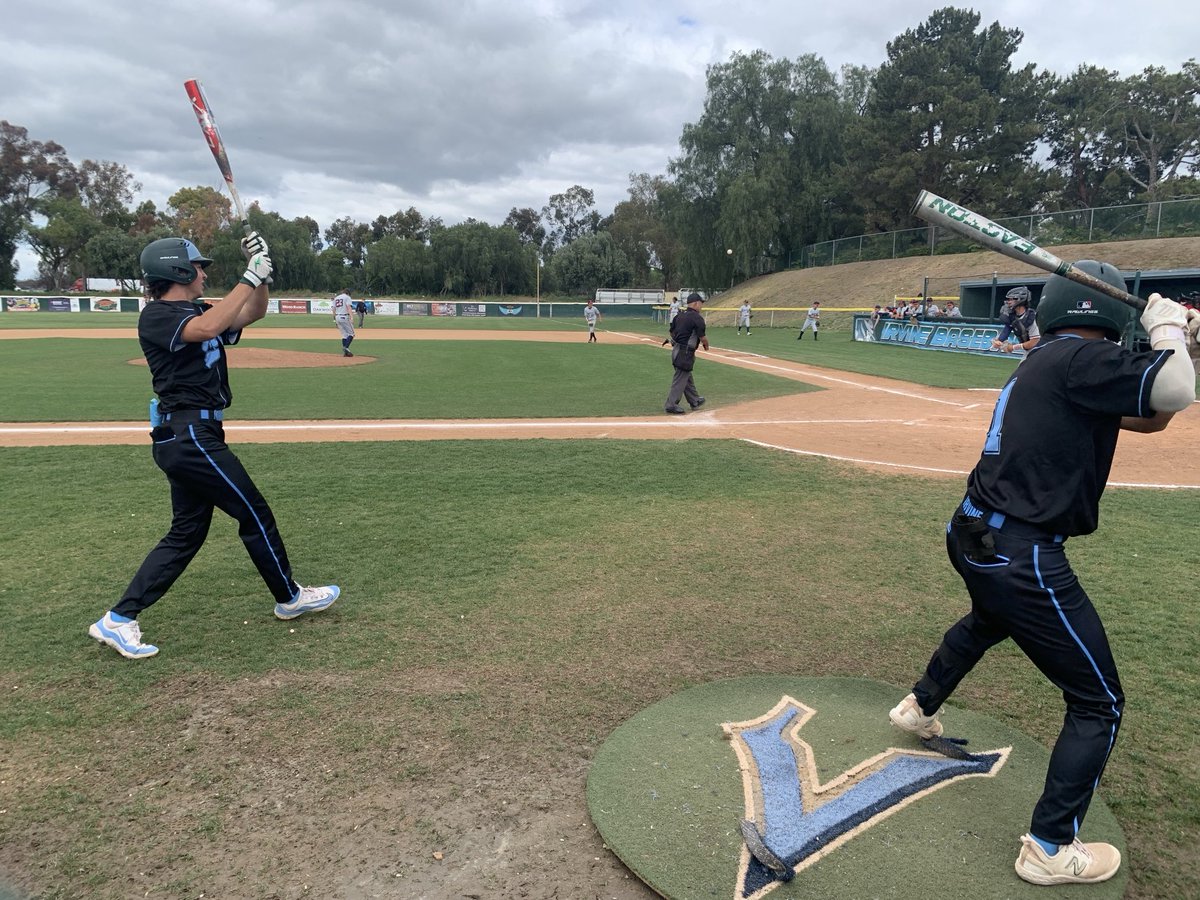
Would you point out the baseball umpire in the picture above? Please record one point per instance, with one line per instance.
(687, 334)
(1045, 463)
(183, 338)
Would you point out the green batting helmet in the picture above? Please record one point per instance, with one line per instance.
(1069, 304)
(172, 259)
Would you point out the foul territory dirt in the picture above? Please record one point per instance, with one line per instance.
(857, 419)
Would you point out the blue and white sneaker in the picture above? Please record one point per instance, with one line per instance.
(310, 599)
(123, 635)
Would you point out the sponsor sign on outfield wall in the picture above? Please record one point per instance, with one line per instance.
(443, 309)
(964, 337)
(474, 309)
(293, 306)
(414, 309)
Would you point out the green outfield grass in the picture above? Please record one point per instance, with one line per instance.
(506, 605)
(74, 379)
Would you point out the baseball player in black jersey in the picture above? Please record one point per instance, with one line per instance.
(1044, 466)
(183, 338)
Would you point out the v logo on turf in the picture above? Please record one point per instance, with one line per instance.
(801, 820)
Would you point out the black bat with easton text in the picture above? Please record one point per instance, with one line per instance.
(209, 126)
(942, 212)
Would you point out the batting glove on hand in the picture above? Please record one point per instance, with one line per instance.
(1164, 320)
(254, 243)
(258, 271)
(1193, 336)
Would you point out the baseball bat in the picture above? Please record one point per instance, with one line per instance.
(939, 211)
(208, 125)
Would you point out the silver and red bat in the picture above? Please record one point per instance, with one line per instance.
(942, 212)
(208, 125)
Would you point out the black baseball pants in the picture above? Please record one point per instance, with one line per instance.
(1029, 593)
(204, 473)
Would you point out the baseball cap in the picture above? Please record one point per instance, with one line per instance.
(693, 297)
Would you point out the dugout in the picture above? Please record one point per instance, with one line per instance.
(983, 298)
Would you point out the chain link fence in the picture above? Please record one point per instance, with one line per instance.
(1140, 221)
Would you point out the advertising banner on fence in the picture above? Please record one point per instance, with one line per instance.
(414, 309)
(321, 306)
(474, 309)
(272, 306)
(293, 306)
(961, 337)
(20, 304)
(62, 304)
(443, 309)
(508, 309)
(106, 304)
(386, 308)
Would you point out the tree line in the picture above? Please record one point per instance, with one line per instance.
(785, 153)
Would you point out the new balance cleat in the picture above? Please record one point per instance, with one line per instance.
(908, 716)
(310, 599)
(124, 636)
(1074, 863)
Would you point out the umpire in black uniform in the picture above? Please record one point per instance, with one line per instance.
(687, 334)
(1045, 463)
(183, 338)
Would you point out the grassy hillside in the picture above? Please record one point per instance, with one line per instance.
(863, 284)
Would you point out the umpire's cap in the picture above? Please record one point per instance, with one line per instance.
(693, 297)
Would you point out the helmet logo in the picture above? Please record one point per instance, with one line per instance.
(1084, 304)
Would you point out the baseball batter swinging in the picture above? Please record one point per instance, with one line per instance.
(1063, 408)
(183, 338)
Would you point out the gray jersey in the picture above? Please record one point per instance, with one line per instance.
(342, 306)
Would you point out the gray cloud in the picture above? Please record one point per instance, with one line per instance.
(359, 108)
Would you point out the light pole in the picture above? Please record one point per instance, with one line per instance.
(537, 270)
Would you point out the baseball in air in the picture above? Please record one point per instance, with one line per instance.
(729, 252)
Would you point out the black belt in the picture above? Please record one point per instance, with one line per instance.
(1005, 524)
(194, 415)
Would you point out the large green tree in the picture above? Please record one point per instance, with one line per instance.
(1087, 159)
(1161, 123)
(641, 228)
(948, 112)
(59, 243)
(590, 262)
(30, 172)
(757, 168)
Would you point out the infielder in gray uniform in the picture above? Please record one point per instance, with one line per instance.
(591, 314)
(343, 308)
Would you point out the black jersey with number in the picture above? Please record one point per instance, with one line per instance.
(185, 375)
(1054, 431)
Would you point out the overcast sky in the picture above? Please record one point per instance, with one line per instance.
(461, 108)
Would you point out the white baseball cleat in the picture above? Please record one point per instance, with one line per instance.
(124, 636)
(908, 716)
(309, 599)
(1074, 863)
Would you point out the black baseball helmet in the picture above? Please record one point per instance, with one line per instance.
(172, 259)
(1069, 304)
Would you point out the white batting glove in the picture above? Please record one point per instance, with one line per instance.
(1164, 320)
(258, 270)
(253, 243)
(1193, 336)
